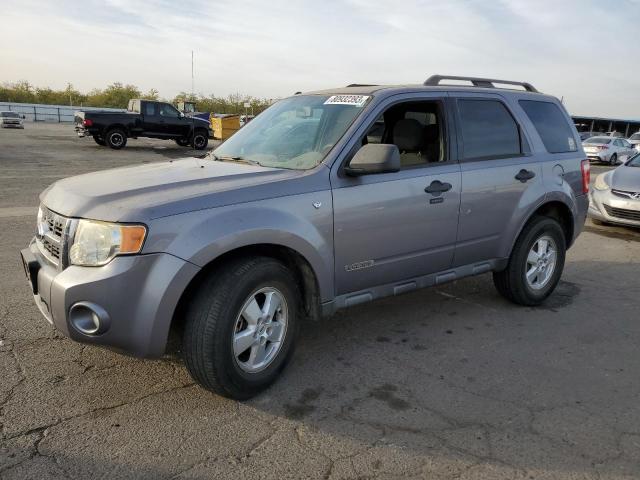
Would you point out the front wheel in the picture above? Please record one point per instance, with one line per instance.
(535, 264)
(241, 326)
(200, 140)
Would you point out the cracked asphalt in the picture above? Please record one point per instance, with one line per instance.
(449, 382)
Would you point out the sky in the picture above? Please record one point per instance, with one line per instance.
(583, 51)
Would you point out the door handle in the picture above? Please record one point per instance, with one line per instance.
(525, 175)
(436, 188)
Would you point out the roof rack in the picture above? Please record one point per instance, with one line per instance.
(435, 80)
(362, 85)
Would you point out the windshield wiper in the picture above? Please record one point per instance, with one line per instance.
(237, 159)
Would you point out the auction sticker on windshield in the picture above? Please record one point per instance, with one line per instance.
(355, 100)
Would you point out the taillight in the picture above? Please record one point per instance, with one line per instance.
(87, 122)
(585, 168)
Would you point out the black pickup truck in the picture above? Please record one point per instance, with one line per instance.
(143, 118)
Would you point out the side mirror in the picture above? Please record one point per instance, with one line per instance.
(374, 158)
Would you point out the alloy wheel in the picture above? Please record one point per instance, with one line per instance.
(541, 262)
(260, 329)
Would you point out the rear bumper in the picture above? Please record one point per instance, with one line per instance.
(137, 295)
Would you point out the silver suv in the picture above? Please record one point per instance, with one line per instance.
(326, 200)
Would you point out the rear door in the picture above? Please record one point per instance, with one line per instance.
(387, 227)
(500, 176)
(151, 121)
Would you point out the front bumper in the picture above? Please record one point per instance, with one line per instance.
(12, 125)
(138, 293)
(608, 207)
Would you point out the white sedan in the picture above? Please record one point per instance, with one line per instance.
(609, 150)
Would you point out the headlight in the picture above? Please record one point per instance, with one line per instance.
(601, 183)
(97, 243)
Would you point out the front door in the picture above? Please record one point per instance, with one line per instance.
(388, 227)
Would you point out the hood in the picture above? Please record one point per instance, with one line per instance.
(626, 178)
(142, 193)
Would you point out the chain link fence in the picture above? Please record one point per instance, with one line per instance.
(49, 113)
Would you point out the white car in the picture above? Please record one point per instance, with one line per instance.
(11, 120)
(635, 140)
(609, 150)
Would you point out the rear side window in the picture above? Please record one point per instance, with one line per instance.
(488, 130)
(551, 125)
(149, 108)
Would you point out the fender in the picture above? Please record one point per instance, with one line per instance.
(566, 198)
(201, 237)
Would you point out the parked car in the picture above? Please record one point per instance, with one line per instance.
(144, 118)
(585, 135)
(389, 189)
(615, 197)
(11, 120)
(635, 140)
(609, 150)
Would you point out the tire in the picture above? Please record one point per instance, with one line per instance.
(99, 140)
(215, 318)
(200, 139)
(183, 142)
(512, 282)
(116, 138)
(613, 160)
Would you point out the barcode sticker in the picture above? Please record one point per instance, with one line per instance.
(355, 100)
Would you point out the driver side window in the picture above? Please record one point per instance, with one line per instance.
(416, 128)
(168, 111)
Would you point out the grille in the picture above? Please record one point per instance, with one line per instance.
(51, 234)
(623, 213)
(626, 194)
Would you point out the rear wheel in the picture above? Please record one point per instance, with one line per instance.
(613, 160)
(99, 140)
(535, 264)
(241, 326)
(116, 138)
(200, 140)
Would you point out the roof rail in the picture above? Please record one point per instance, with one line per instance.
(435, 80)
(362, 85)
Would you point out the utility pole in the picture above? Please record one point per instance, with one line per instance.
(192, 89)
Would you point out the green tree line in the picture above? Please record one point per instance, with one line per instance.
(117, 95)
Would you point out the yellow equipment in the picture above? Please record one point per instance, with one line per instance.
(224, 125)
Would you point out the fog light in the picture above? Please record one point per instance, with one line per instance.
(89, 318)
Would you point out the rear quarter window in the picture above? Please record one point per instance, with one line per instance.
(551, 125)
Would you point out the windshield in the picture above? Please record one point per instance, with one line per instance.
(598, 140)
(634, 161)
(295, 133)
(635, 136)
(10, 115)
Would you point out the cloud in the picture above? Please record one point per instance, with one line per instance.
(275, 48)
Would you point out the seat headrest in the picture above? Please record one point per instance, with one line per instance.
(408, 134)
